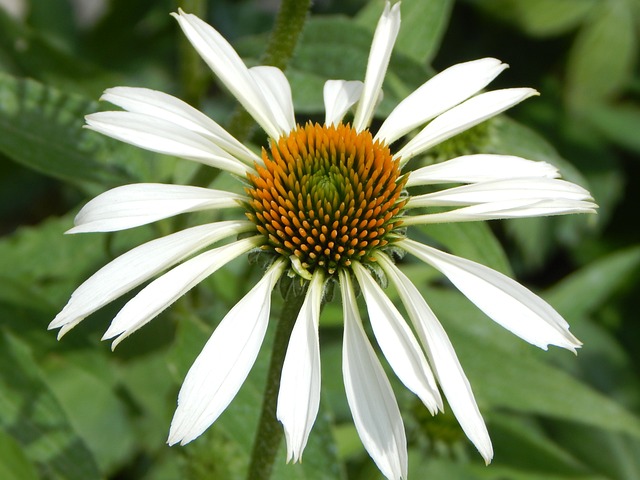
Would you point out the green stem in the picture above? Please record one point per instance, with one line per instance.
(269, 434)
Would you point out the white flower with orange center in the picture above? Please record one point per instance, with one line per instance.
(327, 203)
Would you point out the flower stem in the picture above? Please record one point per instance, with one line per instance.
(269, 434)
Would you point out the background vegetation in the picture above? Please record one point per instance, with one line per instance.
(73, 410)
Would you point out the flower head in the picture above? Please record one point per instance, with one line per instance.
(324, 202)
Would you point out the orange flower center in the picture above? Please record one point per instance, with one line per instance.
(327, 195)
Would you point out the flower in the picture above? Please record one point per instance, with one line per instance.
(324, 202)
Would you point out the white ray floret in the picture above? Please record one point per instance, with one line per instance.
(507, 209)
(379, 55)
(442, 92)
(224, 363)
(397, 342)
(504, 300)
(160, 136)
(443, 358)
(161, 105)
(165, 290)
(277, 94)
(339, 96)
(231, 70)
(299, 395)
(375, 412)
(462, 117)
(503, 190)
(480, 168)
(139, 265)
(133, 205)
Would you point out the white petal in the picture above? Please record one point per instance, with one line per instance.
(161, 136)
(462, 117)
(375, 412)
(230, 69)
(224, 363)
(139, 204)
(137, 266)
(501, 298)
(439, 94)
(339, 97)
(507, 209)
(299, 395)
(165, 290)
(277, 93)
(398, 342)
(443, 358)
(480, 168)
(503, 190)
(379, 55)
(158, 104)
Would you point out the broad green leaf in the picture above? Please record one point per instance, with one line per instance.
(31, 414)
(601, 279)
(59, 146)
(423, 25)
(520, 443)
(612, 455)
(87, 393)
(14, 463)
(503, 376)
(31, 53)
(602, 57)
(552, 17)
(540, 18)
(619, 124)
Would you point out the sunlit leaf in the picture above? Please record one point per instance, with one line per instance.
(33, 416)
(602, 57)
(41, 128)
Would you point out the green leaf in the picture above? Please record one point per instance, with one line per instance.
(612, 455)
(601, 279)
(14, 463)
(619, 124)
(540, 18)
(423, 25)
(59, 146)
(31, 414)
(504, 376)
(86, 390)
(595, 73)
(31, 53)
(524, 446)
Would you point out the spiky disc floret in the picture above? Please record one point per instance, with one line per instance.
(327, 195)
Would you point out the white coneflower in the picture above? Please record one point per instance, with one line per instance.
(326, 202)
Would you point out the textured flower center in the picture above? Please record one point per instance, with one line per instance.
(327, 195)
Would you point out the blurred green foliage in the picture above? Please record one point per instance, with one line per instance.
(75, 410)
